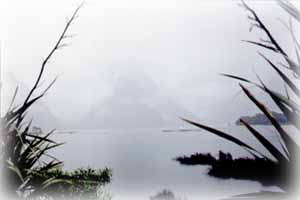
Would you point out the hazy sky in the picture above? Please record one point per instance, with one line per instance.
(138, 58)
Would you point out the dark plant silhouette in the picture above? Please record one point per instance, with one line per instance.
(28, 167)
(285, 157)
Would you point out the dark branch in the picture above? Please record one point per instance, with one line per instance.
(55, 48)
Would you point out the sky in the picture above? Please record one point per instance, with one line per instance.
(137, 63)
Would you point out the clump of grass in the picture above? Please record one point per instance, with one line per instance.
(29, 169)
(286, 156)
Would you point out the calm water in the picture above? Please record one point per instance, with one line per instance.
(142, 163)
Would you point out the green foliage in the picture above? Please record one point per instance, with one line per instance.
(83, 182)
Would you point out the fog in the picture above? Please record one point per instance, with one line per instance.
(136, 64)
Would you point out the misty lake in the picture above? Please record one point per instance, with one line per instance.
(143, 165)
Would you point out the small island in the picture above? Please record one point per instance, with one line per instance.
(261, 119)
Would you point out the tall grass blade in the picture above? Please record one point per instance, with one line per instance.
(268, 145)
(262, 45)
(293, 87)
(286, 100)
(293, 65)
(290, 144)
(290, 113)
(54, 180)
(290, 8)
(225, 136)
(15, 169)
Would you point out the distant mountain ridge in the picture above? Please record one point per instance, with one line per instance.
(261, 119)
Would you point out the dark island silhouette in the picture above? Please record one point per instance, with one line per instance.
(261, 119)
(224, 166)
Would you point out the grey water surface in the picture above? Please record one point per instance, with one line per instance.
(143, 165)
